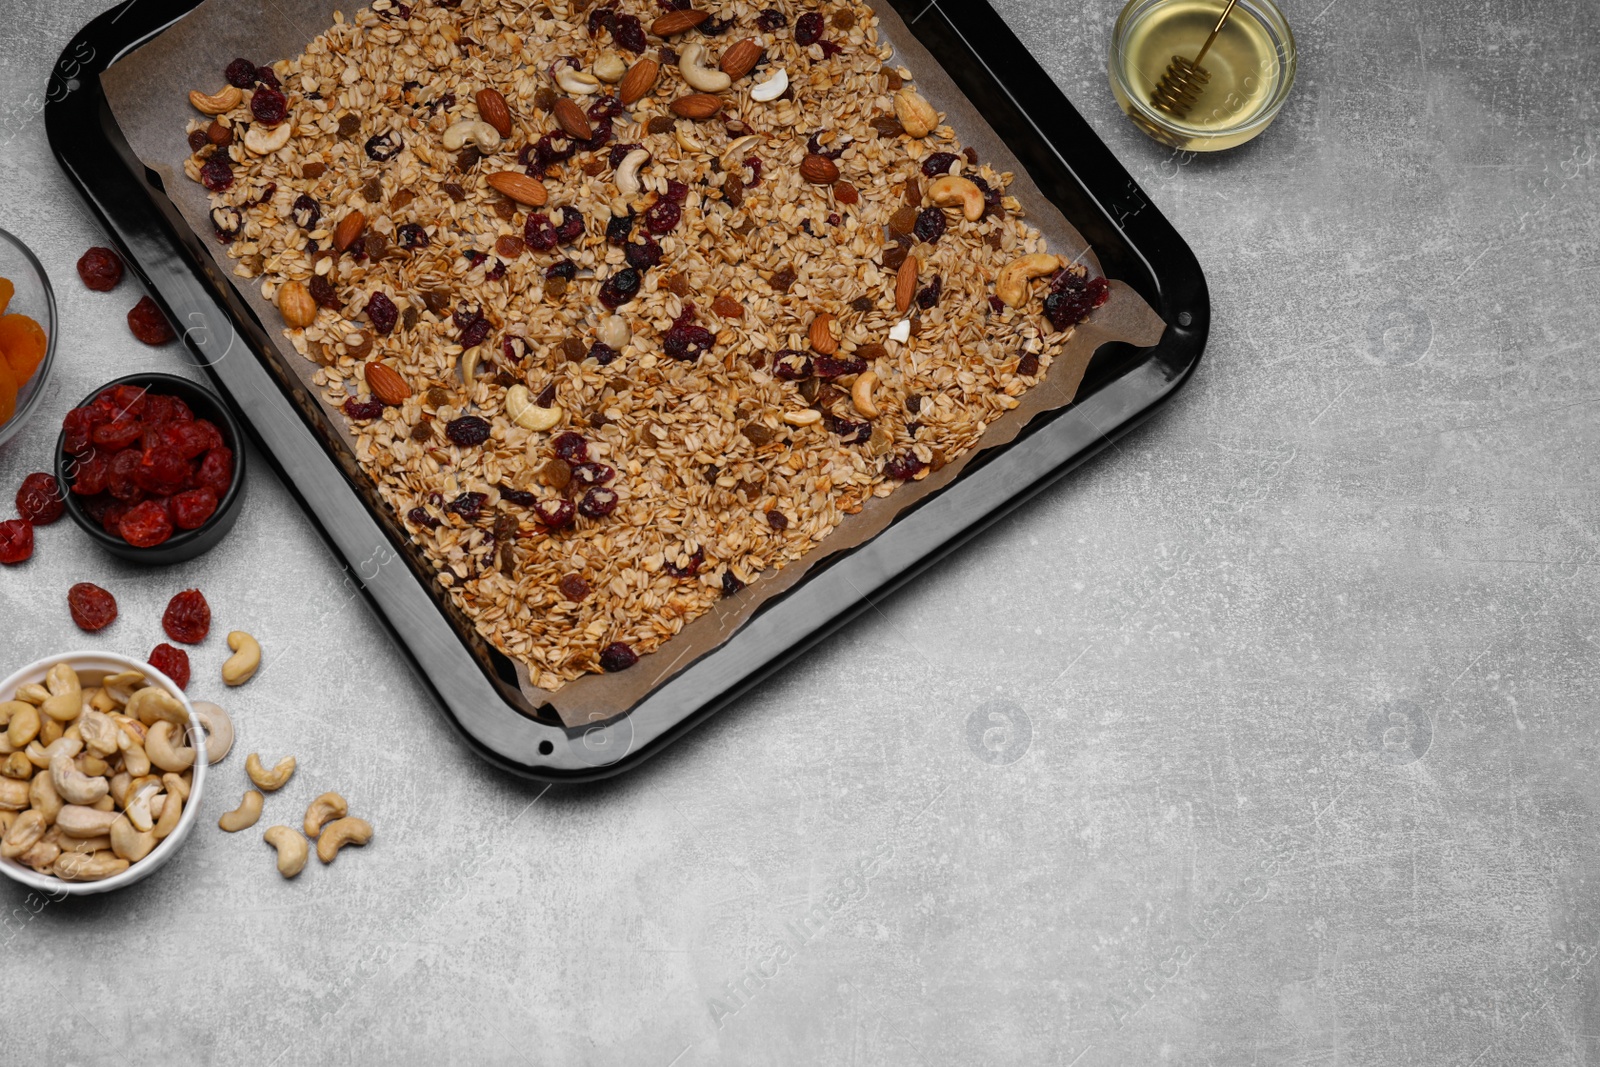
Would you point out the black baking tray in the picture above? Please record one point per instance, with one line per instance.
(475, 684)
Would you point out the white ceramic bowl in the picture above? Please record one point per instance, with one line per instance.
(91, 667)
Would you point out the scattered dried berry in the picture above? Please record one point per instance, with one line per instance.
(689, 568)
(629, 33)
(783, 279)
(554, 512)
(39, 499)
(571, 447)
(420, 517)
(730, 583)
(643, 256)
(791, 366)
(187, 618)
(930, 225)
(771, 20)
(838, 366)
(241, 74)
(619, 229)
(808, 29)
(617, 657)
(939, 163)
(587, 474)
(100, 269)
(381, 312)
(1072, 297)
(216, 173)
(193, 508)
(411, 235)
(603, 353)
(597, 503)
(467, 430)
(574, 588)
(520, 497)
(620, 288)
(269, 106)
(468, 505)
(16, 541)
(145, 525)
(1028, 365)
(362, 410)
(323, 292)
(929, 295)
(172, 662)
(92, 608)
(685, 340)
(663, 217)
(148, 323)
(777, 520)
(903, 468)
(384, 147)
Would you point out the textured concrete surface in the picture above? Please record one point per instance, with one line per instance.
(1267, 738)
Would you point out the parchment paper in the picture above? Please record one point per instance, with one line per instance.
(148, 94)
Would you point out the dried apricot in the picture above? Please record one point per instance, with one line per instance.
(8, 392)
(7, 291)
(23, 342)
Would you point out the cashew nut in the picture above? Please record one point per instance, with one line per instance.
(342, 832)
(774, 87)
(33, 693)
(24, 833)
(327, 806)
(245, 815)
(900, 331)
(952, 189)
(610, 68)
(525, 413)
(915, 114)
(808, 417)
(861, 393)
(245, 659)
(41, 856)
(153, 704)
(136, 761)
(163, 750)
(221, 102)
(265, 779)
(100, 700)
(628, 172)
(615, 331)
(123, 682)
(263, 141)
(1011, 286)
(481, 134)
(50, 731)
(292, 848)
(74, 786)
(99, 731)
(75, 820)
(577, 82)
(17, 765)
(43, 797)
(24, 726)
(218, 728)
(74, 867)
(85, 844)
(137, 809)
(131, 844)
(66, 694)
(13, 794)
(703, 78)
(172, 807)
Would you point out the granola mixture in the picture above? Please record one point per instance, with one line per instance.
(626, 304)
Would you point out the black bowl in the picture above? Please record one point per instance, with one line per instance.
(183, 544)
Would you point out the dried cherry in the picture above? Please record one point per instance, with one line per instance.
(121, 479)
(39, 499)
(643, 256)
(193, 508)
(216, 470)
(538, 234)
(216, 173)
(269, 106)
(592, 474)
(620, 288)
(930, 225)
(162, 471)
(16, 541)
(92, 608)
(628, 32)
(381, 312)
(148, 323)
(145, 525)
(663, 217)
(172, 662)
(188, 617)
(100, 269)
(1072, 297)
(241, 74)
(362, 410)
(571, 227)
(89, 475)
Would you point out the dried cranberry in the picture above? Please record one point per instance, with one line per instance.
(573, 587)
(571, 447)
(554, 147)
(619, 152)
(554, 512)
(474, 327)
(597, 503)
(468, 430)
(929, 295)
(645, 255)
(564, 269)
(362, 410)
(39, 499)
(384, 146)
(689, 569)
(603, 353)
(620, 288)
(411, 235)
(520, 497)
(187, 618)
(991, 194)
(269, 106)
(663, 217)
(850, 431)
(92, 608)
(603, 109)
(148, 323)
(830, 48)
(538, 234)
(1072, 297)
(172, 662)
(216, 173)
(420, 517)
(602, 18)
(16, 541)
(772, 20)
(754, 164)
(685, 340)
(930, 225)
(939, 163)
(241, 74)
(903, 467)
(468, 505)
(791, 366)
(592, 473)
(100, 269)
(145, 525)
(619, 229)
(838, 366)
(193, 508)
(617, 656)
(188, 439)
(730, 583)
(713, 27)
(808, 29)
(629, 33)
(381, 312)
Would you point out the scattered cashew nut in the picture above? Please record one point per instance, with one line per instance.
(172, 806)
(226, 100)
(137, 809)
(163, 750)
(241, 666)
(151, 705)
(218, 728)
(66, 694)
(262, 141)
(861, 393)
(245, 815)
(75, 820)
(293, 849)
(577, 82)
(700, 77)
(129, 842)
(23, 834)
(271, 780)
(628, 172)
(915, 114)
(99, 732)
(772, 88)
(339, 833)
(952, 189)
(1011, 286)
(481, 134)
(521, 409)
(76, 867)
(74, 786)
(327, 806)
(24, 727)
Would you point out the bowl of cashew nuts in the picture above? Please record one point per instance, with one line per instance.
(102, 765)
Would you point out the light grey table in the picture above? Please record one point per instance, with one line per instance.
(1266, 738)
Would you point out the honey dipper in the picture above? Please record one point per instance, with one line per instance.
(1181, 85)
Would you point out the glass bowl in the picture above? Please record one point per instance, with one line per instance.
(34, 299)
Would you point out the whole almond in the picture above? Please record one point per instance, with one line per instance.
(514, 185)
(675, 22)
(570, 117)
(295, 305)
(492, 107)
(741, 59)
(386, 384)
(696, 106)
(819, 170)
(821, 335)
(349, 228)
(905, 283)
(640, 79)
